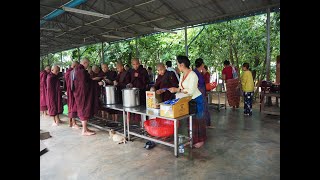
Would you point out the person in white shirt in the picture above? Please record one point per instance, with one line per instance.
(169, 68)
(188, 84)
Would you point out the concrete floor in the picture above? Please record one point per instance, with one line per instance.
(238, 148)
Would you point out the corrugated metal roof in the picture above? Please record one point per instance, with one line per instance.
(133, 18)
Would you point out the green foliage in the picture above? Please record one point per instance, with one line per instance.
(240, 40)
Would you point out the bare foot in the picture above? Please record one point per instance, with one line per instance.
(198, 145)
(55, 124)
(75, 126)
(88, 133)
(91, 130)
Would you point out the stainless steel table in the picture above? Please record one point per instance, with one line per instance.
(219, 105)
(119, 107)
(147, 112)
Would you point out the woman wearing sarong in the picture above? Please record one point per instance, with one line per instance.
(189, 85)
(232, 85)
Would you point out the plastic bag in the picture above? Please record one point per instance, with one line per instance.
(211, 86)
(234, 73)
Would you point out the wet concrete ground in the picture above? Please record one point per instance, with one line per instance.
(239, 147)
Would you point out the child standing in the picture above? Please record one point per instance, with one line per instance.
(247, 88)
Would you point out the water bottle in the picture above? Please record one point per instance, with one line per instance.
(181, 148)
(181, 145)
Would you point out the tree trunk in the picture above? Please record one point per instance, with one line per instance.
(261, 76)
(255, 65)
(237, 59)
(230, 42)
(231, 54)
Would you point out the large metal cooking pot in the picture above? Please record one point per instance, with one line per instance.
(110, 95)
(130, 97)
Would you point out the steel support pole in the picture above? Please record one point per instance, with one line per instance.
(186, 40)
(137, 51)
(79, 54)
(193, 39)
(102, 53)
(268, 45)
(48, 60)
(61, 60)
(269, 102)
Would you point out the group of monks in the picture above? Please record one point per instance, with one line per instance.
(84, 89)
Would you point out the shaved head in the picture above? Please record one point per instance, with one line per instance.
(161, 69)
(47, 68)
(55, 69)
(104, 67)
(85, 62)
(95, 69)
(161, 65)
(135, 63)
(119, 66)
(74, 64)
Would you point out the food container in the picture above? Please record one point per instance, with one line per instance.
(130, 97)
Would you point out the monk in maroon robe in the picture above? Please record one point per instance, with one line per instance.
(72, 108)
(43, 89)
(54, 95)
(108, 78)
(123, 78)
(96, 89)
(166, 79)
(83, 95)
(108, 75)
(139, 79)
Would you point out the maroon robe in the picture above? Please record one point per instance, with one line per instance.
(111, 75)
(43, 89)
(96, 92)
(54, 96)
(72, 108)
(140, 82)
(168, 80)
(83, 93)
(122, 79)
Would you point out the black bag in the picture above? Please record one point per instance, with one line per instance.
(192, 106)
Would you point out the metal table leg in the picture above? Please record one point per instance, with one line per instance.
(218, 101)
(175, 138)
(143, 119)
(128, 125)
(124, 123)
(190, 131)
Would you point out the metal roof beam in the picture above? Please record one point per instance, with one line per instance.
(173, 10)
(140, 9)
(218, 6)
